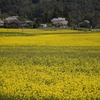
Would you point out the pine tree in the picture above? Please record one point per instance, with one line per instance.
(66, 15)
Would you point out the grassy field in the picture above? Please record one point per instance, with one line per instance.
(49, 65)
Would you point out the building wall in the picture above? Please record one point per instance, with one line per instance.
(13, 25)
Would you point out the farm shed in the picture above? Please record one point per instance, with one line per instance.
(16, 25)
(13, 25)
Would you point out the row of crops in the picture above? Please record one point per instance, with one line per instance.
(50, 67)
(49, 73)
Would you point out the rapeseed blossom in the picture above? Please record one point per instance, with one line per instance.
(54, 66)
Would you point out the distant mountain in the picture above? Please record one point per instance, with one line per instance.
(77, 10)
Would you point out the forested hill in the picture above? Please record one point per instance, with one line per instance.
(77, 10)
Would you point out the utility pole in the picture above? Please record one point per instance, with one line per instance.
(0, 11)
(22, 30)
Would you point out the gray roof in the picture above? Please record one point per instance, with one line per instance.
(87, 21)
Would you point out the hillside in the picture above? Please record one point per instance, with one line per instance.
(77, 10)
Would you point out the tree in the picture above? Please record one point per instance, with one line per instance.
(5, 24)
(72, 10)
(35, 25)
(47, 17)
(3, 16)
(58, 12)
(35, 1)
(37, 22)
(66, 15)
(85, 25)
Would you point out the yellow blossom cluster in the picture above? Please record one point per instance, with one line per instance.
(41, 82)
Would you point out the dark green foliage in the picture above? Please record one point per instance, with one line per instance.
(85, 25)
(76, 10)
(66, 15)
(58, 12)
(47, 17)
(35, 1)
(35, 25)
(37, 22)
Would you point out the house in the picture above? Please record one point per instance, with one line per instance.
(59, 21)
(22, 24)
(1, 23)
(16, 25)
(29, 21)
(29, 24)
(85, 24)
(13, 25)
(43, 25)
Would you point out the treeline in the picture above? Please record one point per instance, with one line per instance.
(75, 11)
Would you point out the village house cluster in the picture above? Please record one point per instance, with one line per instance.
(13, 22)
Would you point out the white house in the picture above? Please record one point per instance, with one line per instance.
(59, 21)
(43, 25)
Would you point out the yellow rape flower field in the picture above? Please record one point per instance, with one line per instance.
(37, 64)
